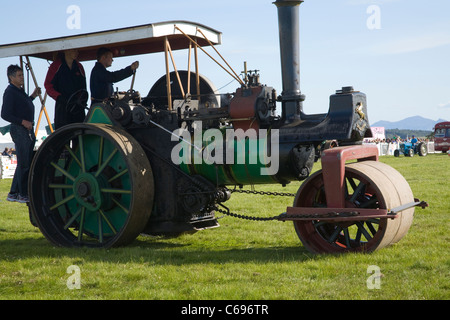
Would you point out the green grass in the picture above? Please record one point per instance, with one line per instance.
(241, 259)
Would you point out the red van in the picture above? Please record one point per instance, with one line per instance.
(442, 136)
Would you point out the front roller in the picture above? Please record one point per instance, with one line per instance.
(91, 185)
(368, 185)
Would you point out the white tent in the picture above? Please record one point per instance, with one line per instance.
(6, 138)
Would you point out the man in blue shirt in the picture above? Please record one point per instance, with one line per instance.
(102, 80)
(18, 109)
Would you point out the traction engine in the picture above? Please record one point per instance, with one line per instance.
(160, 166)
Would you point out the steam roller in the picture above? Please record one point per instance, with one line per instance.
(166, 164)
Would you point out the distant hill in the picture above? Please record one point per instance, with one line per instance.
(406, 133)
(411, 123)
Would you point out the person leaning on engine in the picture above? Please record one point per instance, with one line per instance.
(18, 109)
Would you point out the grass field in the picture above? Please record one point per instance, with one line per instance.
(241, 260)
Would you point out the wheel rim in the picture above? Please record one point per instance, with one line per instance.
(83, 186)
(366, 187)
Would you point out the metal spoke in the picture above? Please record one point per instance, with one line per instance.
(117, 176)
(120, 205)
(358, 236)
(371, 228)
(356, 192)
(64, 201)
(346, 190)
(347, 237)
(100, 154)
(72, 154)
(103, 166)
(80, 230)
(72, 219)
(107, 221)
(64, 172)
(369, 203)
(319, 224)
(335, 234)
(118, 191)
(83, 160)
(352, 183)
(363, 230)
(100, 227)
(60, 186)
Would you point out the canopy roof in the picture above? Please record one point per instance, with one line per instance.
(123, 42)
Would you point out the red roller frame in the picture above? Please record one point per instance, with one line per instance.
(333, 167)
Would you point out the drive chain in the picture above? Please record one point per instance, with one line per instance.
(244, 217)
(283, 216)
(264, 193)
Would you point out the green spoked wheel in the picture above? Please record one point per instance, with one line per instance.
(370, 185)
(91, 185)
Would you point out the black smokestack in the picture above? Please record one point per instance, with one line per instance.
(288, 24)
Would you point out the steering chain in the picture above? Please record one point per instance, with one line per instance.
(282, 216)
(264, 193)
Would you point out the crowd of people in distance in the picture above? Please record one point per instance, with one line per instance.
(8, 152)
(399, 140)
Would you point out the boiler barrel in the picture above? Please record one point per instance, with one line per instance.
(250, 161)
(234, 162)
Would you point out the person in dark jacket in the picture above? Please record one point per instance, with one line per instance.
(102, 80)
(65, 83)
(18, 109)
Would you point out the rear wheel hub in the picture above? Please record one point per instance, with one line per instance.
(87, 192)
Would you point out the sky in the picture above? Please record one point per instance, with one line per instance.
(395, 51)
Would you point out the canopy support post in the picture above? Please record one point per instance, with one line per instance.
(197, 73)
(43, 108)
(169, 89)
(176, 70)
(188, 94)
(198, 46)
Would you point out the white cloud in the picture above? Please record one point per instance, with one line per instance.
(445, 105)
(412, 44)
(369, 2)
